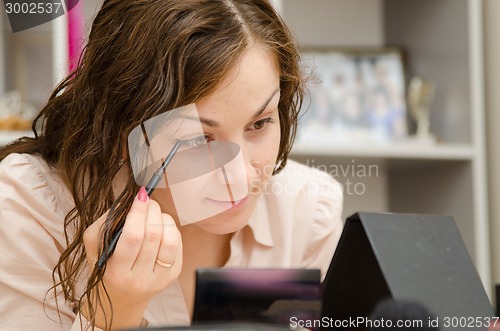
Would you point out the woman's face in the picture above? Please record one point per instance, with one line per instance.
(242, 110)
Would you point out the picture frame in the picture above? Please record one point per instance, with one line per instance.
(354, 95)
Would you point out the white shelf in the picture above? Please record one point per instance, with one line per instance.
(396, 150)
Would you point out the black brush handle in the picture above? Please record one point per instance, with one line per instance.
(150, 187)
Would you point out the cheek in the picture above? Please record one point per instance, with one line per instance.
(275, 145)
(267, 155)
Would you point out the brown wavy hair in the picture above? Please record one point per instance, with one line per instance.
(144, 57)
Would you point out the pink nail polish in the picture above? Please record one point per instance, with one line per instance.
(142, 195)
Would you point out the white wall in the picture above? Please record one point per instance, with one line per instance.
(278, 5)
(338, 21)
(492, 76)
(2, 52)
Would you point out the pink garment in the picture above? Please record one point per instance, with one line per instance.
(75, 34)
(296, 224)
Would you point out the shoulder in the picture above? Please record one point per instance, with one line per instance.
(33, 236)
(26, 173)
(32, 191)
(306, 196)
(17, 160)
(19, 165)
(304, 207)
(20, 173)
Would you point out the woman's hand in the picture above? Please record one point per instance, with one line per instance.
(133, 274)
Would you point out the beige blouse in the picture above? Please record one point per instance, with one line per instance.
(296, 223)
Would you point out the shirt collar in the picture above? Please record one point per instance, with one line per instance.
(259, 222)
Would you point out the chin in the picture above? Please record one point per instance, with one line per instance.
(220, 227)
(228, 221)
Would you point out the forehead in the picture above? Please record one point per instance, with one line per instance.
(248, 83)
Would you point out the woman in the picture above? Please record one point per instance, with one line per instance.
(236, 61)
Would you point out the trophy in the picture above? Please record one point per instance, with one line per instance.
(420, 95)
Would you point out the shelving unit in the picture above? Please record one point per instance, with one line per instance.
(442, 40)
(34, 61)
(29, 59)
(2, 53)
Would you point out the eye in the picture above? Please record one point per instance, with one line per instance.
(194, 142)
(261, 124)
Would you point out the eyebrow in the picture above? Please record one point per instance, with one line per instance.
(214, 124)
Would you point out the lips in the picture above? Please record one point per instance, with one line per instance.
(228, 204)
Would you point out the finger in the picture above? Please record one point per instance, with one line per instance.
(170, 246)
(91, 239)
(130, 242)
(152, 238)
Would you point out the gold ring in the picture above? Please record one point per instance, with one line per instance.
(163, 264)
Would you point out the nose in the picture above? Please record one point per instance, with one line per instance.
(235, 177)
(237, 171)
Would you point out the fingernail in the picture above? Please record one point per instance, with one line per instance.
(142, 195)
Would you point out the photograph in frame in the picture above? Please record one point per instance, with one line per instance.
(354, 95)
